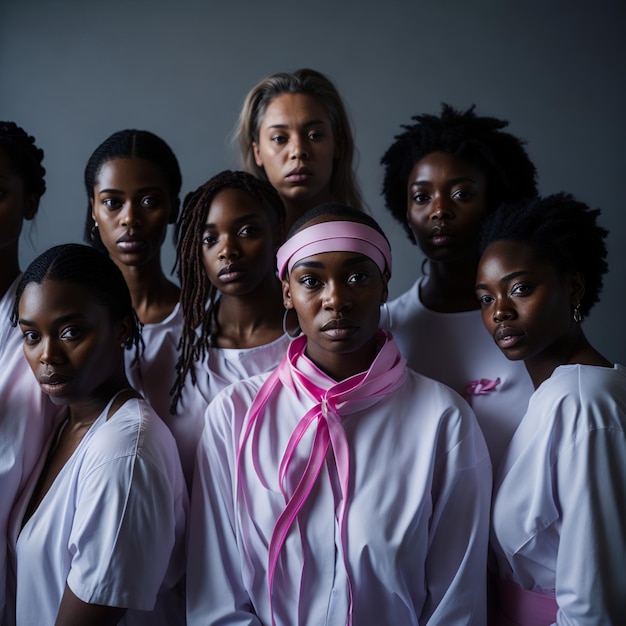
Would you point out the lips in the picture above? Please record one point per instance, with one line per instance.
(130, 243)
(230, 273)
(507, 336)
(339, 328)
(440, 235)
(54, 384)
(299, 175)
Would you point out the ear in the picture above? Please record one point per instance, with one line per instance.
(124, 332)
(31, 204)
(287, 301)
(577, 288)
(93, 215)
(257, 155)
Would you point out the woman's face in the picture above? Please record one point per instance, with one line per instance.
(15, 204)
(132, 204)
(239, 242)
(526, 303)
(297, 149)
(337, 296)
(70, 342)
(445, 203)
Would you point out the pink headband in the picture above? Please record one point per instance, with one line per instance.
(335, 237)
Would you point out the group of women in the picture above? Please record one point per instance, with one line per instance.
(268, 441)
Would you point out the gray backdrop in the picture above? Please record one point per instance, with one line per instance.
(72, 72)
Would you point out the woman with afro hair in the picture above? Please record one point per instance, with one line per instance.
(442, 175)
(558, 515)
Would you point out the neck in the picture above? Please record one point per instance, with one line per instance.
(571, 350)
(252, 319)
(340, 366)
(449, 287)
(153, 295)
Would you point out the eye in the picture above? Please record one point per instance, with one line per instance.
(71, 333)
(150, 201)
(521, 289)
(420, 197)
(112, 203)
(309, 281)
(248, 231)
(31, 337)
(485, 300)
(279, 139)
(462, 194)
(358, 277)
(208, 239)
(315, 135)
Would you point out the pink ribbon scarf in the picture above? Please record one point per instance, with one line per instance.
(359, 392)
(480, 387)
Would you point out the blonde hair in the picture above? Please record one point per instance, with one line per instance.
(343, 185)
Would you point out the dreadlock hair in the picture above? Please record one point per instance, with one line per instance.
(500, 156)
(127, 144)
(560, 230)
(25, 157)
(85, 267)
(198, 296)
(343, 185)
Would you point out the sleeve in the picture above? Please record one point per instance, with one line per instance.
(456, 564)
(123, 534)
(591, 560)
(215, 588)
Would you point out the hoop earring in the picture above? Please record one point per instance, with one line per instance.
(297, 330)
(94, 230)
(578, 318)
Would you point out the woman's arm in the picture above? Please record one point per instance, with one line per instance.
(75, 612)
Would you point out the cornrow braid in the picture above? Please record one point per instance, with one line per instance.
(25, 157)
(198, 296)
(93, 271)
(561, 230)
(479, 140)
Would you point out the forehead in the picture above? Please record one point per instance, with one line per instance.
(121, 173)
(52, 298)
(444, 165)
(503, 257)
(231, 203)
(294, 108)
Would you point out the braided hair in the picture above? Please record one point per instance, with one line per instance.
(479, 140)
(85, 267)
(25, 157)
(561, 230)
(198, 296)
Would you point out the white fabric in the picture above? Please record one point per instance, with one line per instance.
(155, 373)
(112, 525)
(26, 420)
(455, 349)
(417, 519)
(559, 512)
(222, 367)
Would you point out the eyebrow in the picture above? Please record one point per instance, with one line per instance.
(454, 181)
(504, 279)
(244, 218)
(355, 260)
(59, 320)
(309, 123)
(138, 191)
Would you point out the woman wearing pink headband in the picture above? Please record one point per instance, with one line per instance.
(342, 488)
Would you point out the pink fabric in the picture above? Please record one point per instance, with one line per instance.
(520, 607)
(479, 388)
(353, 394)
(333, 237)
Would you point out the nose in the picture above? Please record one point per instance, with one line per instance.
(131, 215)
(502, 312)
(50, 352)
(336, 297)
(228, 249)
(440, 208)
(299, 148)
